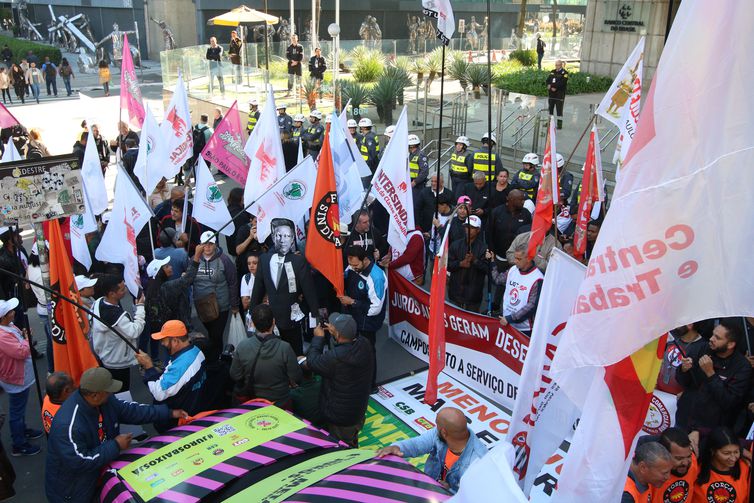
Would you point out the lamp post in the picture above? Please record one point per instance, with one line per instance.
(334, 31)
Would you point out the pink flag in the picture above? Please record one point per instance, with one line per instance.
(6, 118)
(130, 94)
(225, 148)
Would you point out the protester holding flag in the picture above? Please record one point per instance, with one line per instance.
(523, 283)
(119, 143)
(468, 267)
(186, 238)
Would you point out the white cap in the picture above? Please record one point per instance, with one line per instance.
(7, 306)
(155, 265)
(84, 282)
(328, 119)
(351, 123)
(365, 122)
(299, 118)
(488, 136)
(413, 140)
(559, 160)
(253, 102)
(281, 106)
(106, 217)
(464, 140)
(389, 131)
(316, 114)
(208, 237)
(475, 221)
(531, 158)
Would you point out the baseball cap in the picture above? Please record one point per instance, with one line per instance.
(106, 217)
(171, 328)
(344, 324)
(84, 282)
(99, 379)
(464, 200)
(208, 237)
(7, 306)
(475, 221)
(155, 265)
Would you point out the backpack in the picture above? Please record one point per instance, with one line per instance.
(200, 140)
(50, 71)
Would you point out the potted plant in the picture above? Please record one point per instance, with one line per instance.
(357, 93)
(401, 77)
(383, 95)
(477, 76)
(458, 68)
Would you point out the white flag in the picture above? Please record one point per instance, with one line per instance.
(11, 153)
(391, 186)
(543, 415)
(209, 206)
(490, 475)
(92, 177)
(674, 247)
(347, 180)
(443, 12)
(129, 216)
(80, 226)
(176, 130)
(300, 156)
(291, 197)
(622, 101)
(265, 151)
(152, 162)
(361, 164)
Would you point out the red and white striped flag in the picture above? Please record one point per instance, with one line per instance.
(548, 194)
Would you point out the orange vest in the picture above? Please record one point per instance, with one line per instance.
(723, 489)
(49, 410)
(639, 497)
(677, 489)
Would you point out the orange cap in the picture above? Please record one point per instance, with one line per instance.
(172, 328)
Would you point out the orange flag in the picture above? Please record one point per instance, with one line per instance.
(68, 323)
(323, 237)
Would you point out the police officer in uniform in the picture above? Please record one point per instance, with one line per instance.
(418, 166)
(527, 179)
(369, 145)
(313, 135)
(253, 115)
(481, 158)
(297, 128)
(565, 179)
(557, 82)
(285, 122)
(352, 128)
(460, 165)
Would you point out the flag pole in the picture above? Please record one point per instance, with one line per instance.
(489, 147)
(439, 132)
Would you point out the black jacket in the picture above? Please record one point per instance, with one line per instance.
(317, 67)
(425, 208)
(281, 298)
(466, 284)
(346, 372)
(559, 80)
(717, 400)
(294, 53)
(503, 227)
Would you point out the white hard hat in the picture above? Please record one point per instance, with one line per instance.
(299, 118)
(531, 158)
(281, 106)
(389, 131)
(464, 140)
(488, 136)
(351, 123)
(365, 122)
(559, 160)
(328, 119)
(316, 114)
(253, 102)
(413, 140)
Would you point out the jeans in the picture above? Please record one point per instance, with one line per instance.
(215, 331)
(35, 91)
(54, 83)
(7, 92)
(17, 416)
(50, 356)
(215, 70)
(106, 88)
(539, 59)
(67, 83)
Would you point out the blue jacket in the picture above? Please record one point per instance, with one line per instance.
(75, 455)
(368, 289)
(429, 443)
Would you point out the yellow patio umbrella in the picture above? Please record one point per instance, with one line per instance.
(246, 15)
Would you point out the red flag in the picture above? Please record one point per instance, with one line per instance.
(323, 238)
(589, 194)
(6, 118)
(547, 195)
(68, 323)
(436, 326)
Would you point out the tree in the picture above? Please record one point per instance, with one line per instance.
(554, 20)
(521, 19)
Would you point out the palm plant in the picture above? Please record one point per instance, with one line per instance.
(401, 77)
(383, 95)
(357, 93)
(478, 77)
(458, 70)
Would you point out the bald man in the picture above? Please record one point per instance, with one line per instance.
(452, 447)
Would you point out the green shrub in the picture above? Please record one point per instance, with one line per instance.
(20, 47)
(526, 58)
(399, 75)
(383, 95)
(357, 93)
(477, 75)
(457, 70)
(507, 66)
(532, 81)
(368, 65)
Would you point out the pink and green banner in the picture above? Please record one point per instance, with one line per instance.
(225, 148)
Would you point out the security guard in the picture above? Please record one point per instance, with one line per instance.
(285, 122)
(460, 165)
(418, 166)
(313, 135)
(297, 128)
(557, 82)
(253, 115)
(369, 145)
(527, 179)
(352, 128)
(481, 160)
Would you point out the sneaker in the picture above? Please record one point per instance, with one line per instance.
(33, 434)
(25, 450)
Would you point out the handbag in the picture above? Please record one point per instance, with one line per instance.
(247, 392)
(207, 308)
(236, 330)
